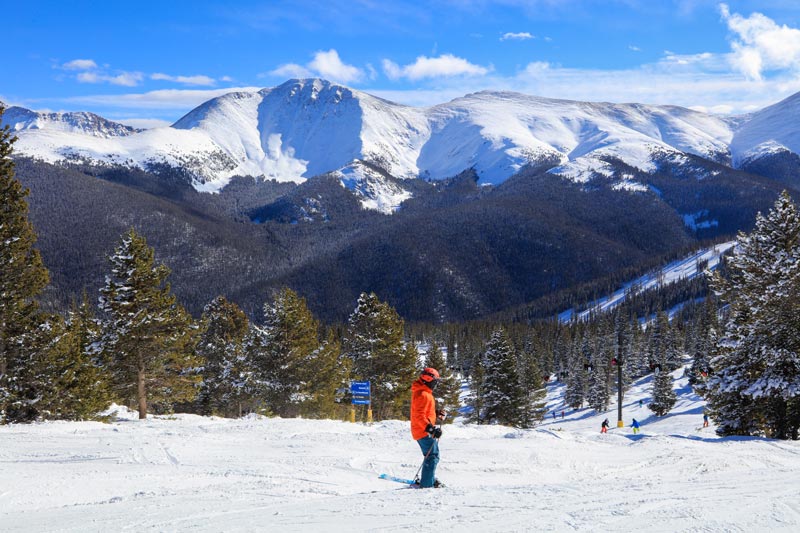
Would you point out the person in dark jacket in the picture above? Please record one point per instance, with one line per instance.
(604, 426)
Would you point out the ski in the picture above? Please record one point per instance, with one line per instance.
(397, 479)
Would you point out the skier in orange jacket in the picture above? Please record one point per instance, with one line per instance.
(423, 424)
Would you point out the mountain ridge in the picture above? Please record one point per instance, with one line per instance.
(307, 127)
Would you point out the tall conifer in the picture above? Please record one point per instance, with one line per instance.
(22, 278)
(148, 338)
(374, 342)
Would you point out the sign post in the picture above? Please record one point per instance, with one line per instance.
(361, 393)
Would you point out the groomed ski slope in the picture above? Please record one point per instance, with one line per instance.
(190, 473)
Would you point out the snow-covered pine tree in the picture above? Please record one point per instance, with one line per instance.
(22, 278)
(504, 400)
(475, 401)
(664, 396)
(449, 386)
(754, 386)
(575, 392)
(291, 341)
(147, 337)
(374, 342)
(598, 393)
(330, 372)
(72, 383)
(533, 384)
(668, 342)
(228, 374)
(704, 342)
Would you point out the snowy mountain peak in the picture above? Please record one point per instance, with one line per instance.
(21, 119)
(768, 131)
(307, 127)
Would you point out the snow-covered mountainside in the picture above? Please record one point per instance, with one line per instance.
(683, 269)
(772, 130)
(375, 190)
(304, 128)
(20, 119)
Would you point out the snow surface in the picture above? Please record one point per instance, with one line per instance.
(305, 128)
(191, 473)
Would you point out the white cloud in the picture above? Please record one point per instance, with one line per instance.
(522, 36)
(330, 66)
(170, 99)
(291, 70)
(143, 123)
(444, 66)
(126, 79)
(760, 44)
(79, 64)
(186, 80)
(702, 81)
(634, 48)
(326, 64)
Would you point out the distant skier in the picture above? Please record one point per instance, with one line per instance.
(705, 420)
(562, 414)
(635, 426)
(554, 415)
(640, 403)
(604, 426)
(423, 428)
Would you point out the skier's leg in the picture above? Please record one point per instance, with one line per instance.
(430, 448)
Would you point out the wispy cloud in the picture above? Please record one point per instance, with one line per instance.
(186, 80)
(634, 48)
(444, 66)
(165, 99)
(79, 64)
(126, 79)
(522, 36)
(760, 44)
(144, 123)
(88, 71)
(325, 64)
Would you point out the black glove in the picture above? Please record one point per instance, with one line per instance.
(433, 431)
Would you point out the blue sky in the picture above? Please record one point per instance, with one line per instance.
(148, 63)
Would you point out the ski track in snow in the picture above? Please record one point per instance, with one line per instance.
(208, 474)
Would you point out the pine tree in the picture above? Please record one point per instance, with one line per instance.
(533, 384)
(599, 394)
(301, 374)
(22, 278)
(754, 386)
(374, 342)
(74, 384)
(449, 387)
(706, 339)
(575, 392)
(227, 372)
(475, 401)
(664, 396)
(148, 338)
(504, 400)
(330, 372)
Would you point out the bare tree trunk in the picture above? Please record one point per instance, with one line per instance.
(141, 395)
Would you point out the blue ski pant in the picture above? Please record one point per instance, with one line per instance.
(429, 444)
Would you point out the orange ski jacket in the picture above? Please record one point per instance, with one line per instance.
(423, 409)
